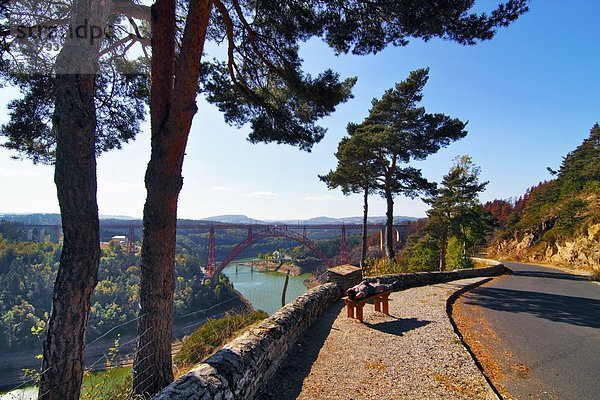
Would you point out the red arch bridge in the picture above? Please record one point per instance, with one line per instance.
(298, 233)
(258, 232)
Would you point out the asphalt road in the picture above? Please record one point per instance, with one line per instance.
(547, 322)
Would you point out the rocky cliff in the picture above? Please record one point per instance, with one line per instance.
(580, 251)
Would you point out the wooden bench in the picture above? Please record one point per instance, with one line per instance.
(380, 300)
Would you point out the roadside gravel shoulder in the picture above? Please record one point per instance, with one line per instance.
(411, 354)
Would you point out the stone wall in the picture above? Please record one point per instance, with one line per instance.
(404, 281)
(240, 368)
(345, 276)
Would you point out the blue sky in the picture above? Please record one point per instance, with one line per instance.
(530, 96)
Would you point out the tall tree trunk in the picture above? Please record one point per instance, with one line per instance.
(389, 229)
(170, 124)
(464, 243)
(75, 178)
(363, 254)
(152, 365)
(443, 247)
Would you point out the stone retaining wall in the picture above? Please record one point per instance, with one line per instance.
(404, 281)
(240, 368)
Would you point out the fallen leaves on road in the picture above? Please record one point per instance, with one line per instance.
(489, 350)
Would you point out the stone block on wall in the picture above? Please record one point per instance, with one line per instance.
(345, 276)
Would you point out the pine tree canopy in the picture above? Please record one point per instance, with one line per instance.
(581, 167)
(357, 167)
(259, 81)
(400, 130)
(31, 35)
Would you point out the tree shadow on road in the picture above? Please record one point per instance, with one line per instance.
(559, 308)
(399, 326)
(287, 381)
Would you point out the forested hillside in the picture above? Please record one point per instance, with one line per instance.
(557, 221)
(28, 271)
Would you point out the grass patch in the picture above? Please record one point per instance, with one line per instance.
(113, 383)
(108, 384)
(212, 336)
(595, 275)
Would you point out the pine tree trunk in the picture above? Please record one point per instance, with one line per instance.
(75, 178)
(389, 231)
(443, 247)
(74, 121)
(152, 365)
(363, 254)
(171, 120)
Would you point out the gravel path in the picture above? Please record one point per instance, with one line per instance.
(411, 354)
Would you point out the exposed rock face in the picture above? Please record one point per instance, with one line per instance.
(579, 252)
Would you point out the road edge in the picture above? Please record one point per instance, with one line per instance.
(449, 308)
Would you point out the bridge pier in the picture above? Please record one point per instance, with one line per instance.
(343, 249)
(41, 231)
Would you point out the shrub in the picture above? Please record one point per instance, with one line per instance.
(381, 266)
(455, 258)
(212, 335)
(421, 255)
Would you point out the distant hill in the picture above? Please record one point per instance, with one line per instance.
(54, 219)
(232, 219)
(32, 219)
(353, 220)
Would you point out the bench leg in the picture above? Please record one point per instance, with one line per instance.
(377, 303)
(349, 311)
(359, 312)
(385, 300)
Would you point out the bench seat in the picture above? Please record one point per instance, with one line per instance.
(354, 308)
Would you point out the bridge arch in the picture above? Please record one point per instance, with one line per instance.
(269, 233)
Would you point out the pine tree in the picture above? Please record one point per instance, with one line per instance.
(356, 172)
(580, 168)
(400, 131)
(456, 210)
(79, 99)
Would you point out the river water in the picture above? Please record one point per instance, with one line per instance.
(263, 289)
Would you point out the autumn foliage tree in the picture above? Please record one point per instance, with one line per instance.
(500, 210)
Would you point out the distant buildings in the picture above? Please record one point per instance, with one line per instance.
(120, 239)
